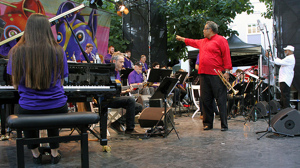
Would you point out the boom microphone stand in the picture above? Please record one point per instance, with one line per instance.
(269, 129)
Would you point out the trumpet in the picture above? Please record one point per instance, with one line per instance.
(226, 83)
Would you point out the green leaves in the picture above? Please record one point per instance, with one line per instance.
(188, 17)
(269, 5)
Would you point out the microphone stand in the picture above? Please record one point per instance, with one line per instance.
(269, 129)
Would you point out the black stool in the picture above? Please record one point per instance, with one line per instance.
(80, 120)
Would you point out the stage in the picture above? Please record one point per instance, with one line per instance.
(236, 148)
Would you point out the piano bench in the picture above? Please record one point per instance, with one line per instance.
(80, 120)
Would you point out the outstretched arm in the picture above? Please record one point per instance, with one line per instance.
(179, 38)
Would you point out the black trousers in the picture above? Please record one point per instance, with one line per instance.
(211, 87)
(51, 132)
(285, 95)
(132, 108)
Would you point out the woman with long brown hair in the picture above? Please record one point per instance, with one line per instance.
(38, 66)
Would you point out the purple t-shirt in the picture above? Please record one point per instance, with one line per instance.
(127, 63)
(4, 49)
(117, 76)
(197, 62)
(134, 77)
(145, 67)
(107, 58)
(82, 58)
(31, 99)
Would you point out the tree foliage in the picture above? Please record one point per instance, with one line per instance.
(269, 6)
(187, 18)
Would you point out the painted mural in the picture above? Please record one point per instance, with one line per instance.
(89, 25)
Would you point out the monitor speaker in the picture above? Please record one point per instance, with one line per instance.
(155, 103)
(274, 106)
(287, 121)
(262, 108)
(152, 115)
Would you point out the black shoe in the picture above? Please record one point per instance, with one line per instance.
(116, 126)
(207, 128)
(37, 160)
(131, 131)
(55, 160)
(224, 129)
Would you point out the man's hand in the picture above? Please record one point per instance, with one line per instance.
(226, 75)
(179, 38)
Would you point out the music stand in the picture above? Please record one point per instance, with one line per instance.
(157, 75)
(124, 75)
(165, 88)
(182, 76)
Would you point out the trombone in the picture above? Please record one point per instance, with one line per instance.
(226, 83)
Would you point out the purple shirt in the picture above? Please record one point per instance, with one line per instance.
(31, 99)
(197, 62)
(145, 66)
(4, 49)
(107, 58)
(82, 58)
(134, 77)
(117, 76)
(127, 63)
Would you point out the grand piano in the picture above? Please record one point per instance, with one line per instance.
(85, 82)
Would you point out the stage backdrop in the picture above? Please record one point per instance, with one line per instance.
(90, 26)
(287, 31)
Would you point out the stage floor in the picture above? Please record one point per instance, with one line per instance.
(236, 148)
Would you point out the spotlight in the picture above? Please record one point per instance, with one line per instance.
(121, 8)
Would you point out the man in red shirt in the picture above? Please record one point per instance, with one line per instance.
(214, 54)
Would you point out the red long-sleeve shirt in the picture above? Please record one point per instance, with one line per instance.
(214, 53)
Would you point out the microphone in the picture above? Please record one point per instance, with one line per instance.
(260, 26)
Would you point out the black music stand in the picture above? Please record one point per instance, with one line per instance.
(182, 76)
(165, 88)
(157, 75)
(124, 75)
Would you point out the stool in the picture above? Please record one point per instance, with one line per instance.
(80, 120)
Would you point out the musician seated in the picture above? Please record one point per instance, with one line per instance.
(233, 99)
(127, 102)
(4, 49)
(128, 63)
(138, 81)
(179, 91)
(88, 50)
(155, 65)
(40, 93)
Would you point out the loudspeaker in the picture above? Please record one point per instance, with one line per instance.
(274, 107)
(262, 108)
(287, 121)
(155, 103)
(151, 115)
(144, 100)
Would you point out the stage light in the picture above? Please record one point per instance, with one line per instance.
(121, 8)
(126, 11)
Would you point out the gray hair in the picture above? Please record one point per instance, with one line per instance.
(116, 56)
(213, 26)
